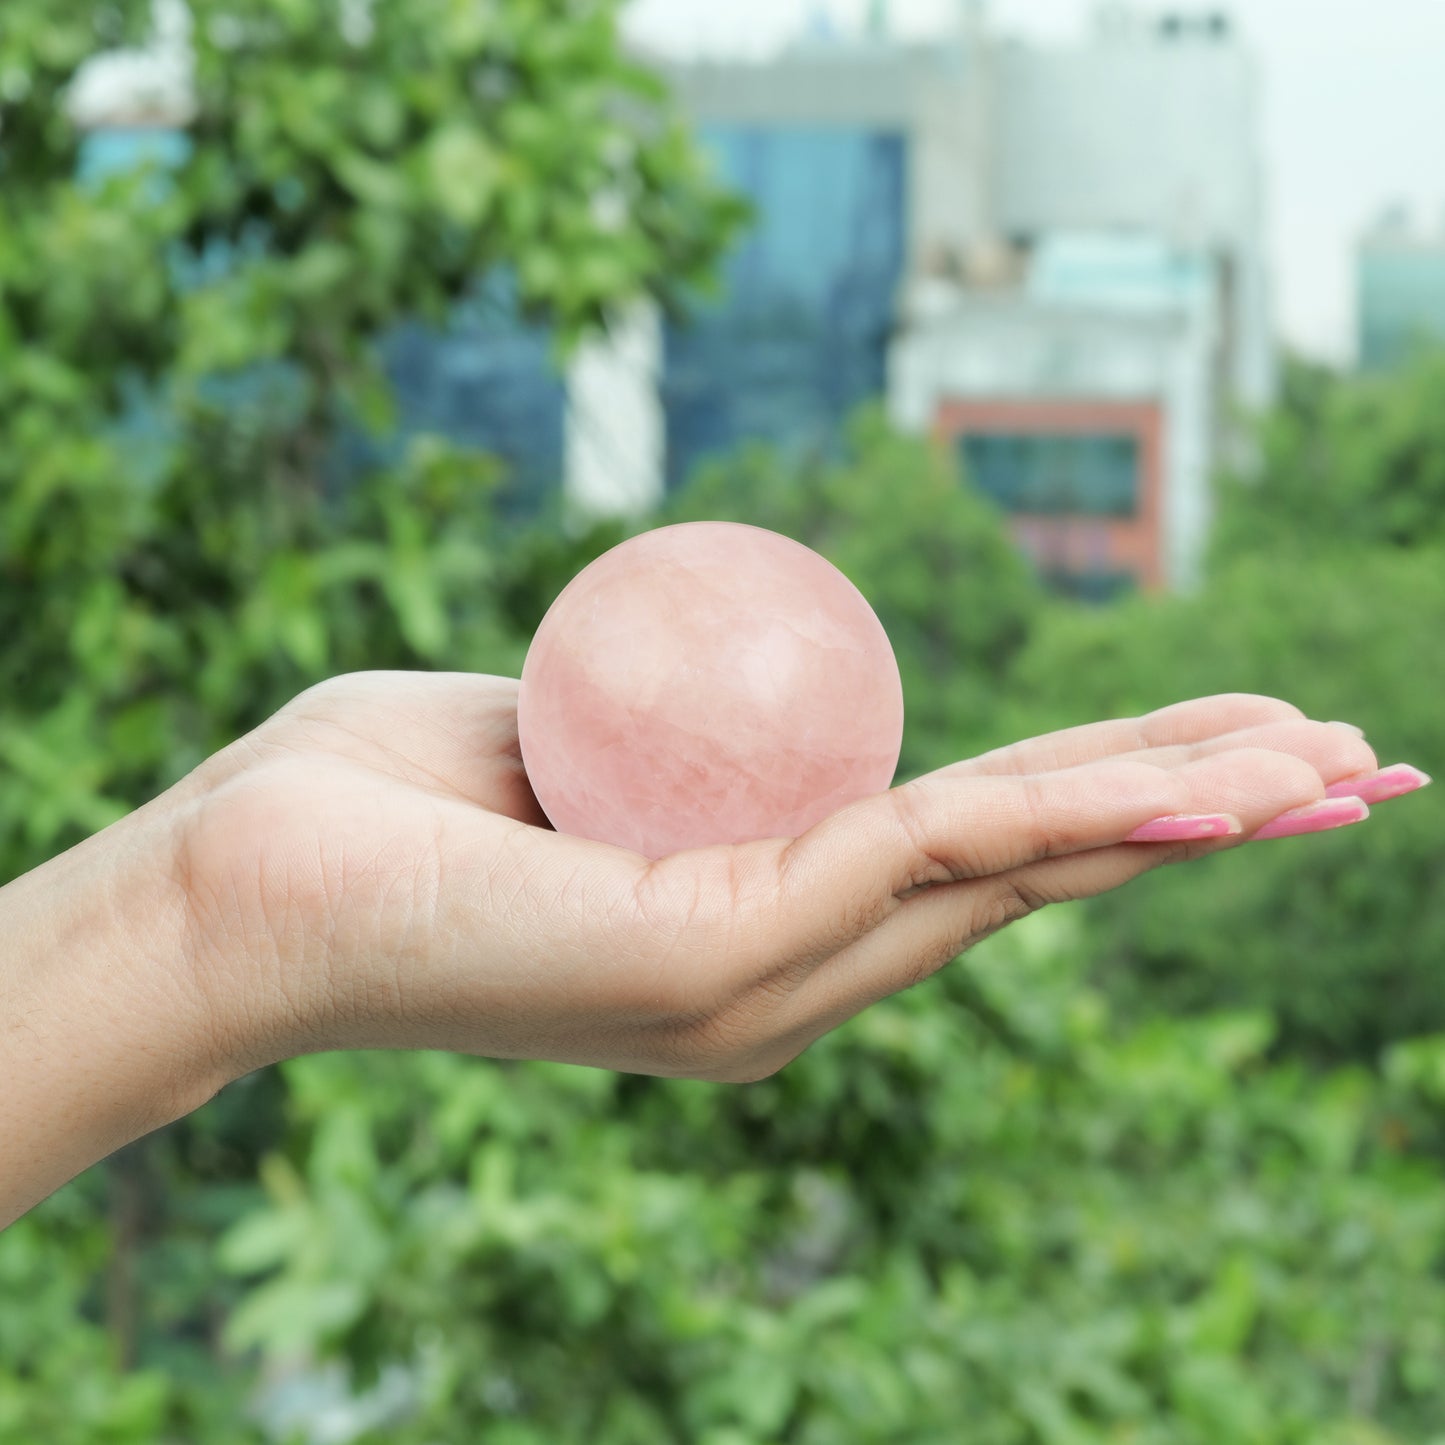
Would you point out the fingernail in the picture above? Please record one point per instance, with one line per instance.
(1389, 782)
(1348, 727)
(1316, 818)
(1181, 827)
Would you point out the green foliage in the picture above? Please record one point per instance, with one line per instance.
(41, 48)
(1344, 464)
(1088, 1233)
(439, 138)
(1009, 1207)
(1338, 937)
(63, 1376)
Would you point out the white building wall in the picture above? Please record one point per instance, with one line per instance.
(1007, 346)
(1189, 458)
(1135, 133)
(1126, 132)
(615, 428)
(1128, 135)
(1014, 348)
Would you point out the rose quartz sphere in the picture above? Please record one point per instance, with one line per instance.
(707, 683)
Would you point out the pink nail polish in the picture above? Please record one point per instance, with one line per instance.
(1182, 827)
(1389, 782)
(1315, 818)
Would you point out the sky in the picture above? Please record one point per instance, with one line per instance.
(1354, 115)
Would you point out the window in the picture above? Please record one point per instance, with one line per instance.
(1090, 586)
(485, 379)
(799, 336)
(1088, 474)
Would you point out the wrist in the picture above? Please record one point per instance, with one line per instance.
(102, 1034)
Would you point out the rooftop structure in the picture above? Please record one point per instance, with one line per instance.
(1025, 240)
(1400, 291)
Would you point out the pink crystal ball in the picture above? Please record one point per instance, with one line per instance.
(707, 683)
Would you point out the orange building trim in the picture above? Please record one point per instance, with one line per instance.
(1076, 543)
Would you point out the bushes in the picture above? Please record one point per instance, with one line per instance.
(1338, 937)
(1093, 1233)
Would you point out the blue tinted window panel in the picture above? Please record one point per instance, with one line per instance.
(1096, 587)
(1055, 474)
(485, 380)
(799, 338)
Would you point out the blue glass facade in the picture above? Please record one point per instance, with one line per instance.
(486, 380)
(800, 335)
(797, 340)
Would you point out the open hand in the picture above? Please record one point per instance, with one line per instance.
(369, 868)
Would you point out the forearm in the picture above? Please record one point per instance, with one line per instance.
(99, 1033)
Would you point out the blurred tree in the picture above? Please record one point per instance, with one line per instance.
(1327, 588)
(1343, 463)
(165, 586)
(914, 1233)
(347, 167)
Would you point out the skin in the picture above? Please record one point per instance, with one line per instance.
(370, 869)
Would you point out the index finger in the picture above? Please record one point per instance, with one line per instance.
(801, 900)
(1181, 723)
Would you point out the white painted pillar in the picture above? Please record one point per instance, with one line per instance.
(615, 429)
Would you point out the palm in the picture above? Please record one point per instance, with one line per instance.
(446, 737)
(378, 851)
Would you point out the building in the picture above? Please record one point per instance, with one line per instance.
(1084, 401)
(1051, 258)
(1400, 291)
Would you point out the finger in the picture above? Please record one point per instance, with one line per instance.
(1180, 724)
(926, 931)
(1378, 786)
(1335, 752)
(802, 900)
